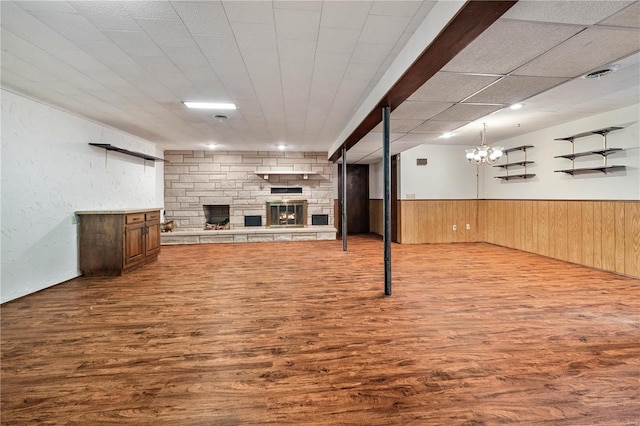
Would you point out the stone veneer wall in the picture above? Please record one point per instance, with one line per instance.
(195, 178)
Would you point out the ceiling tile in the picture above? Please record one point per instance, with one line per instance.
(255, 36)
(420, 15)
(203, 17)
(361, 72)
(512, 89)
(47, 6)
(400, 126)
(367, 53)
(383, 29)
(297, 24)
(254, 12)
(290, 50)
(418, 110)
(439, 127)
(134, 43)
(395, 8)
(72, 26)
(298, 5)
(491, 55)
(451, 87)
(165, 32)
(466, 112)
(565, 12)
(345, 15)
(336, 40)
(106, 15)
(594, 47)
(150, 9)
(628, 17)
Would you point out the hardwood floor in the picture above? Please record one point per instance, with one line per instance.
(300, 333)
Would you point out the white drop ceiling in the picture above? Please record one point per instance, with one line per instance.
(537, 53)
(299, 70)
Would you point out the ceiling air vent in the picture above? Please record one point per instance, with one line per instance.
(602, 72)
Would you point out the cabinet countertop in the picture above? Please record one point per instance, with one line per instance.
(121, 211)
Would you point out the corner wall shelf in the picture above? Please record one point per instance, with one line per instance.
(604, 152)
(523, 163)
(110, 147)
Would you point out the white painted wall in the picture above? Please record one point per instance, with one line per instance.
(376, 184)
(48, 172)
(447, 174)
(548, 184)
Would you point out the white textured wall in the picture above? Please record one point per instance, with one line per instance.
(48, 172)
(548, 184)
(447, 174)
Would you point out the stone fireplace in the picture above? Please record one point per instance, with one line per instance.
(287, 213)
(194, 179)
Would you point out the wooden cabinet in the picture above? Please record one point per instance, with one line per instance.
(116, 242)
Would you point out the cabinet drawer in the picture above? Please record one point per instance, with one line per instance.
(152, 216)
(134, 218)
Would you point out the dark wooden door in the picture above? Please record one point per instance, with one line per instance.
(357, 198)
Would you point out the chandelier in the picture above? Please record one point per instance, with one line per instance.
(484, 154)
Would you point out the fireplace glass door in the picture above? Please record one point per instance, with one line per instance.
(287, 213)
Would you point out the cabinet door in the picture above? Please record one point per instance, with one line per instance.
(134, 244)
(152, 239)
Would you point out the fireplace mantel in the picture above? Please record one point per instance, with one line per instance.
(305, 175)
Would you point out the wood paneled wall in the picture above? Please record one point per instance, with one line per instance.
(599, 234)
(376, 216)
(430, 221)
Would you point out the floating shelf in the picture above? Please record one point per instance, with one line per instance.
(110, 147)
(519, 163)
(305, 175)
(522, 176)
(603, 152)
(585, 170)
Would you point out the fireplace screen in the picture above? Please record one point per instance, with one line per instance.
(289, 213)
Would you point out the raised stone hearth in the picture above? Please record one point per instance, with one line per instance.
(250, 235)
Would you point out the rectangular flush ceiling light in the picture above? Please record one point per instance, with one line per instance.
(209, 105)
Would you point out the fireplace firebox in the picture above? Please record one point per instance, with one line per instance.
(286, 213)
(216, 217)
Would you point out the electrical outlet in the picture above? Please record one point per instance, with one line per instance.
(455, 227)
(468, 227)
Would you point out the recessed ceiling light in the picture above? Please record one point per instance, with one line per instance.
(282, 147)
(209, 105)
(447, 135)
(211, 145)
(516, 106)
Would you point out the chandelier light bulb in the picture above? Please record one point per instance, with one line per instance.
(484, 154)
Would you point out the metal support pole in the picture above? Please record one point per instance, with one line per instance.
(386, 167)
(344, 198)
